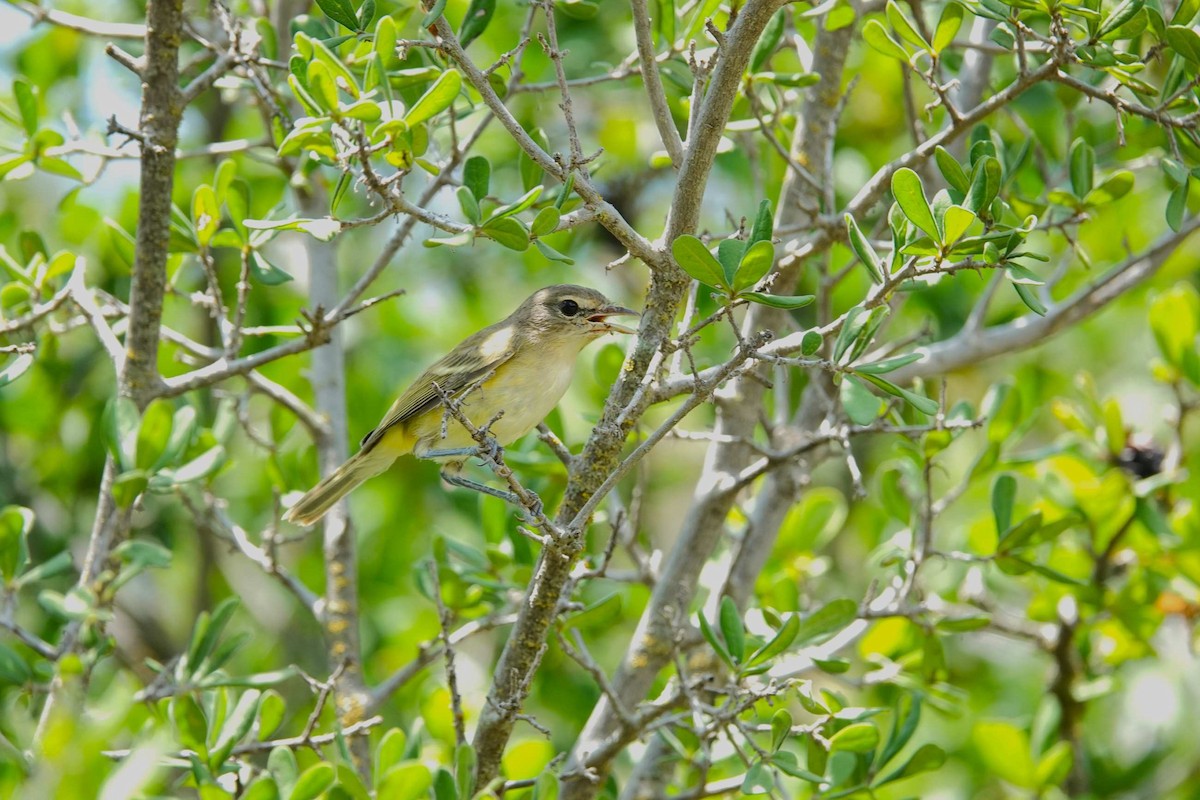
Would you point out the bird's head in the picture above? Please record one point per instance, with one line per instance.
(575, 312)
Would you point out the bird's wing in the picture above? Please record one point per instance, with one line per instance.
(470, 362)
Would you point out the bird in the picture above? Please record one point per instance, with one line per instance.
(518, 368)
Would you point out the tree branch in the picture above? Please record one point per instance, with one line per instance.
(659, 107)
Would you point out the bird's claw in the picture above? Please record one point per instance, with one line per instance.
(533, 512)
(490, 450)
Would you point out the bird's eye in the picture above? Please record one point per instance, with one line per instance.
(569, 308)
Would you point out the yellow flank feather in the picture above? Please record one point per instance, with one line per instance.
(518, 369)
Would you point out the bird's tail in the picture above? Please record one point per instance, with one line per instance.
(361, 466)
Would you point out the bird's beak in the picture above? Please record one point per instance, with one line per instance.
(601, 323)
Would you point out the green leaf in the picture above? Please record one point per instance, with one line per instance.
(550, 253)
(457, 240)
(1185, 12)
(579, 9)
(1124, 11)
(477, 176)
(1185, 41)
(548, 786)
(323, 228)
(1054, 765)
(781, 728)
(861, 737)
(860, 403)
(408, 780)
(789, 302)
(785, 761)
(1083, 165)
(341, 12)
(264, 272)
(985, 185)
(781, 641)
(58, 166)
(143, 553)
(443, 785)
(190, 725)
(128, 486)
(951, 170)
(955, 223)
(13, 669)
(271, 710)
(876, 36)
(520, 204)
(11, 162)
(713, 640)
(476, 20)
(154, 432)
(964, 624)
(1174, 317)
(15, 524)
(768, 42)
(757, 262)
(947, 27)
(464, 769)
(1030, 299)
(508, 232)
(313, 781)
(910, 196)
(546, 221)
(1114, 427)
(430, 19)
(597, 615)
(863, 249)
(1114, 187)
(121, 422)
(856, 324)
(926, 405)
(888, 364)
(389, 752)
(282, 764)
(437, 99)
(732, 629)
(236, 727)
(468, 204)
(385, 41)
(263, 788)
(1177, 206)
(1005, 752)
(1004, 494)
(206, 213)
(905, 27)
(811, 342)
(366, 15)
(695, 259)
(927, 758)
(531, 173)
(729, 253)
(27, 104)
(829, 619)
(1026, 277)
(321, 88)
(763, 224)
(364, 111)
(907, 713)
(1017, 535)
(16, 368)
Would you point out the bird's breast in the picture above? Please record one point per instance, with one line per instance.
(526, 389)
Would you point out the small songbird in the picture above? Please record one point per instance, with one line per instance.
(520, 366)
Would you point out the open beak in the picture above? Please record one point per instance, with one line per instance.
(601, 323)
